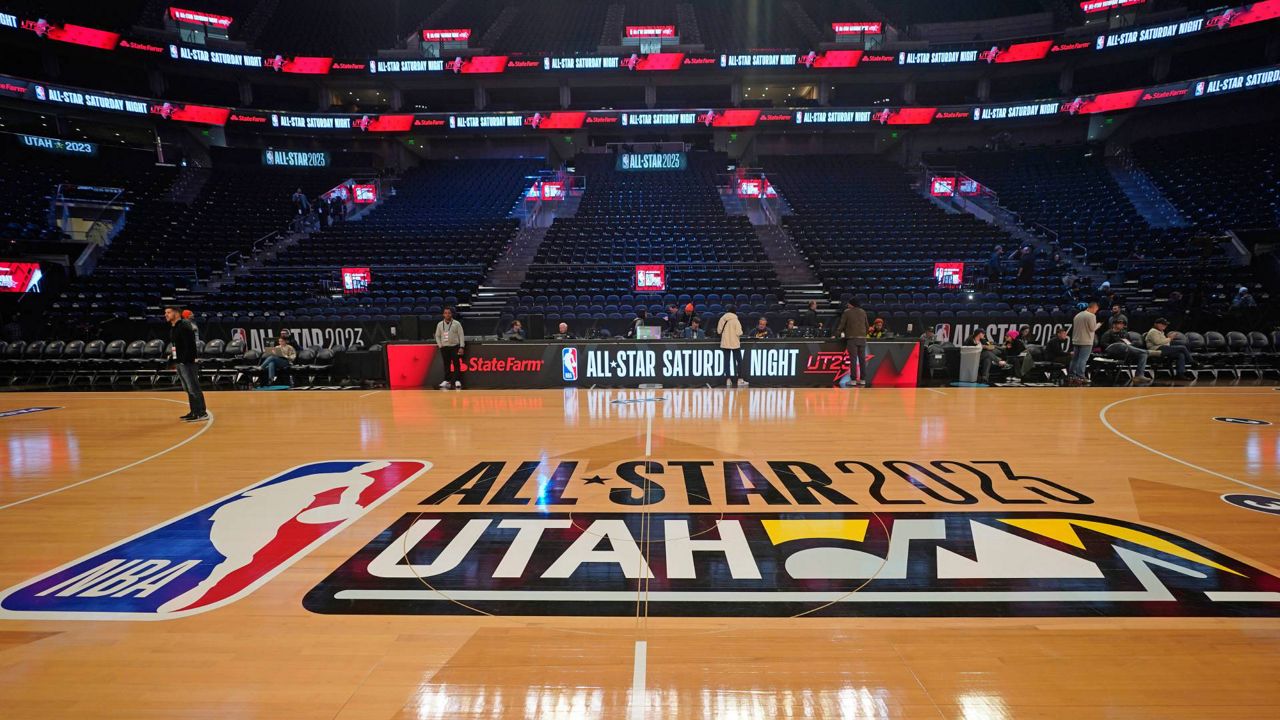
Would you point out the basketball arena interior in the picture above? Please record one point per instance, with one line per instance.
(816, 358)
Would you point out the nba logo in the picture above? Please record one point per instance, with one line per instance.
(569, 364)
(216, 554)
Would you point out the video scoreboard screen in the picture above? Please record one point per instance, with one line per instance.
(19, 277)
(356, 280)
(652, 161)
(651, 278)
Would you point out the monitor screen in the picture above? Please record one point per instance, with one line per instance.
(949, 274)
(19, 277)
(650, 278)
(355, 279)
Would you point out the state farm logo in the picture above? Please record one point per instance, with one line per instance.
(522, 63)
(952, 114)
(428, 122)
(776, 117)
(1067, 47)
(600, 119)
(133, 45)
(1164, 94)
(699, 61)
(236, 117)
(502, 365)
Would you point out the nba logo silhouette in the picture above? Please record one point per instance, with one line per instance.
(569, 364)
(216, 554)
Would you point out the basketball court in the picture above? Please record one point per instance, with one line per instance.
(752, 553)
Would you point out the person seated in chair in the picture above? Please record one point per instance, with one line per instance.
(988, 357)
(563, 333)
(877, 329)
(515, 332)
(762, 330)
(275, 359)
(1058, 350)
(1117, 346)
(1015, 353)
(694, 331)
(1161, 345)
(792, 330)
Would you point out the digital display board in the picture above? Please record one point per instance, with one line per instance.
(1095, 6)
(295, 158)
(19, 277)
(652, 161)
(856, 28)
(451, 35)
(364, 194)
(650, 31)
(949, 274)
(79, 148)
(650, 278)
(197, 17)
(355, 280)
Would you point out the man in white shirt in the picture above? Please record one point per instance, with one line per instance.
(452, 342)
(1083, 329)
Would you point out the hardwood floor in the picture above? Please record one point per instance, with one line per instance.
(751, 553)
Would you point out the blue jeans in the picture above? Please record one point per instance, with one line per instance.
(1128, 353)
(273, 364)
(189, 374)
(1180, 354)
(1080, 359)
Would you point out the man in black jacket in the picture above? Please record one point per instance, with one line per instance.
(183, 336)
(853, 327)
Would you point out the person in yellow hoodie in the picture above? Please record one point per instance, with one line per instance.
(729, 328)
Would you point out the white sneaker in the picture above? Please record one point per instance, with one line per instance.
(444, 385)
(728, 383)
(742, 383)
(457, 385)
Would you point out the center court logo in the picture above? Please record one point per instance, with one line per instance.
(216, 554)
(569, 364)
(786, 564)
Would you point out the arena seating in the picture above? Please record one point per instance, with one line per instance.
(236, 206)
(29, 180)
(868, 234)
(339, 28)
(555, 25)
(743, 25)
(1068, 190)
(584, 265)
(106, 16)
(428, 247)
(1219, 180)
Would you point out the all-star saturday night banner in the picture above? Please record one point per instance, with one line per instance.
(693, 119)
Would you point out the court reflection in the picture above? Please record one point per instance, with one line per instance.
(982, 706)
(38, 452)
(548, 702)
(447, 702)
(716, 403)
(846, 703)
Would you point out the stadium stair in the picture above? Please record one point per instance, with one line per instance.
(792, 267)
(1147, 198)
(494, 34)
